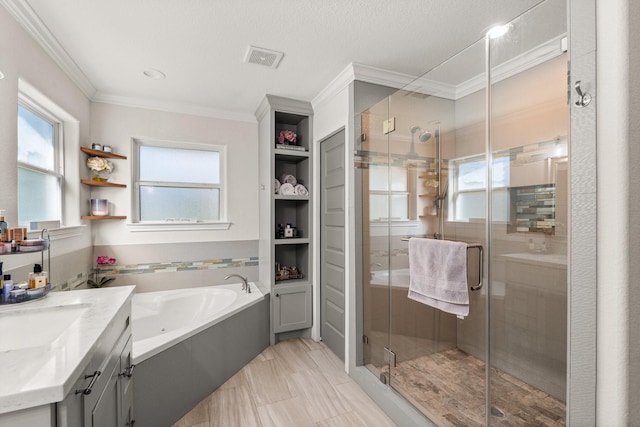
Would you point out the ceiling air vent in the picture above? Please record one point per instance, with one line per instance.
(260, 56)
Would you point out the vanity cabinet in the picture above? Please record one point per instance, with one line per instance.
(93, 183)
(286, 255)
(102, 395)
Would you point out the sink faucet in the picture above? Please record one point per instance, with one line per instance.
(245, 285)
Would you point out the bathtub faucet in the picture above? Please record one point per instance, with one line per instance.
(245, 285)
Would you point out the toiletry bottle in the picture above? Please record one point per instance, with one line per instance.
(38, 280)
(37, 269)
(3, 226)
(8, 286)
(42, 279)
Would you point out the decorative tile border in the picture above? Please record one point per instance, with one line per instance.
(80, 280)
(177, 266)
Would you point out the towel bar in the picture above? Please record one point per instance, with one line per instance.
(480, 249)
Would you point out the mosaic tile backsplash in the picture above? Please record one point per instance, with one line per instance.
(533, 209)
(80, 280)
(176, 266)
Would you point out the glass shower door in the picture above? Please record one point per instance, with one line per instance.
(475, 151)
(527, 283)
(437, 359)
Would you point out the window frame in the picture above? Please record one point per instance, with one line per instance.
(57, 123)
(138, 225)
(453, 184)
(410, 192)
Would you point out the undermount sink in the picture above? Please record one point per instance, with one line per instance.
(36, 327)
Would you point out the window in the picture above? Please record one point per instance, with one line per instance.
(389, 189)
(469, 181)
(40, 179)
(179, 183)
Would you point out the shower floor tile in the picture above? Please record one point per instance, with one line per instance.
(448, 387)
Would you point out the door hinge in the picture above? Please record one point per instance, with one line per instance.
(389, 357)
(365, 339)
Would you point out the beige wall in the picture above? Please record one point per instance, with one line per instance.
(22, 58)
(117, 125)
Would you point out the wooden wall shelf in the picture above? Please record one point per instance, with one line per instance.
(100, 217)
(105, 154)
(93, 183)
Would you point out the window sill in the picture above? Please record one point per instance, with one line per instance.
(59, 233)
(173, 226)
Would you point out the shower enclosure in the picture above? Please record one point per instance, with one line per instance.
(476, 150)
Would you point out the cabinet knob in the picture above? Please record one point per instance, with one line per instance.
(277, 295)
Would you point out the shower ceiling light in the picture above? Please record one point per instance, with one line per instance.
(498, 31)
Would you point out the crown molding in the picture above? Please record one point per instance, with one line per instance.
(172, 107)
(31, 22)
(529, 59)
(341, 81)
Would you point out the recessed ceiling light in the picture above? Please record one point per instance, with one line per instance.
(1, 75)
(498, 31)
(154, 74)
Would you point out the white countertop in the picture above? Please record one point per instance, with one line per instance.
(39, 374)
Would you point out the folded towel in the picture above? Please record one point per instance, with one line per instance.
(287, 189)
(276, 185)
(438, 274)
(288, 178)
(301, 190)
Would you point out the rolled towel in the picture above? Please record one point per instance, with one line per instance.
(301, 190)
(276, 185)
(288, 178)
(287, 189)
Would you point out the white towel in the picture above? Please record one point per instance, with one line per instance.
(288, 178)
(287, 189)
(276, 186)
(438, 274)
(301, 190)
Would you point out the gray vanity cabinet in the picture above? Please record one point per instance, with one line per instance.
(102, 396)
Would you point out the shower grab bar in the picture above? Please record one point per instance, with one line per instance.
(480, 249)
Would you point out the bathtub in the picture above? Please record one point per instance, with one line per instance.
(188, 342)
(162, 319)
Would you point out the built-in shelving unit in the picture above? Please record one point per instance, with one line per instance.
(95, 183)
(286, 262)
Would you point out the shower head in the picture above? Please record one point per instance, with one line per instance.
(425, 136)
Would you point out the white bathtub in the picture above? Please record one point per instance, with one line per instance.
(162, 319)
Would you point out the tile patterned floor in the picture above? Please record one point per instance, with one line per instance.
(295, 383)
(448, 387)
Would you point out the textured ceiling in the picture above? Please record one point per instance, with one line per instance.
(200, 44)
